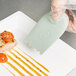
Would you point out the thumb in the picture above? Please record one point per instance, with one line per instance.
(57, 8)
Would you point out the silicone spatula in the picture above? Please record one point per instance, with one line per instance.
(46, 32)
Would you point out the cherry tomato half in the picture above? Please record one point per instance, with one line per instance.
(3, 58)
(7, 36)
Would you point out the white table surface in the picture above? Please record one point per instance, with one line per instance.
(60, 58)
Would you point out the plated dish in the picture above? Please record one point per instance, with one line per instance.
(17, 57)
(7, 42)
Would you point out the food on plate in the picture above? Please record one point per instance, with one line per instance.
(3, 58)
(7, 41)
(7, 36)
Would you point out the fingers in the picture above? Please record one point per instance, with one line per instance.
(70, 15)
(71, 27)
(57, 8)
(72, 22)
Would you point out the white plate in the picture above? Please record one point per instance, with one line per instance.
(60, 58)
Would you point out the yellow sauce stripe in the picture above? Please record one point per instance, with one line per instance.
(8, 69)
(25, 63)
(15, 69)
(20, 65)
(31, 63)
(35, 61)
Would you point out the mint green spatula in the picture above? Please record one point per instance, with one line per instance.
(46, 32)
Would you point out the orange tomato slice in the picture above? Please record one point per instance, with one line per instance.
(3, 58)
(7, 36)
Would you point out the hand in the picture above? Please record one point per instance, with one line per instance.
(72, 21)
(58, 9)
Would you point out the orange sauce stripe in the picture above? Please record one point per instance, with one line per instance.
(15, 69)
(35, 61)
(20, 65)
(31, 63)
(8, 70)
(25, 63)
